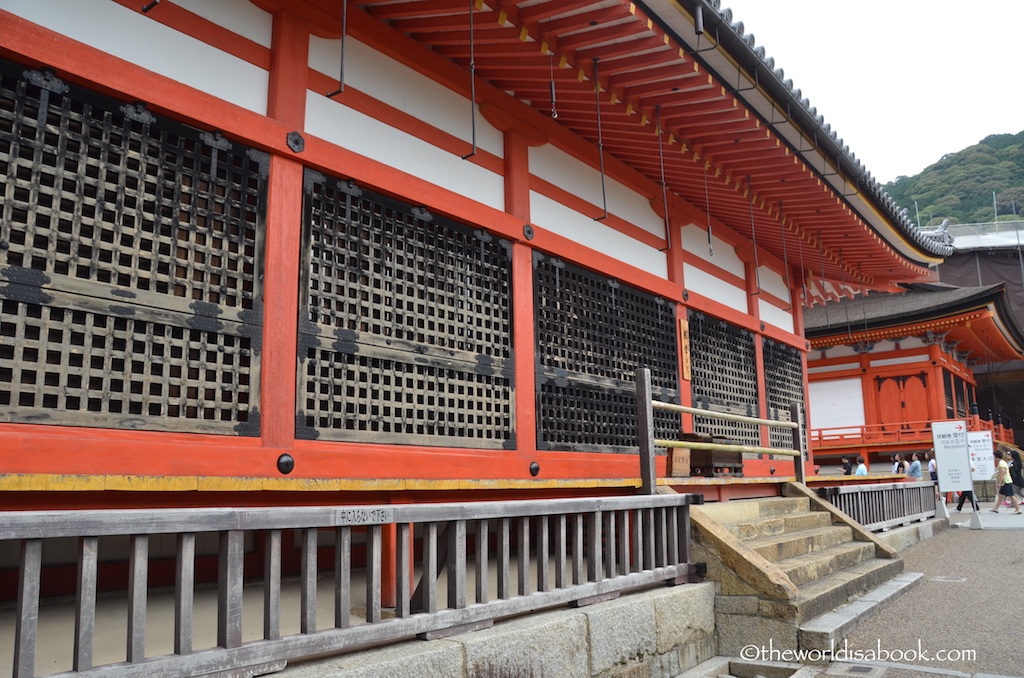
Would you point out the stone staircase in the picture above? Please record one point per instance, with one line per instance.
(787, 569)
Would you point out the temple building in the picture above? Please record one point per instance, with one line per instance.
(412, 251)
(882, 367)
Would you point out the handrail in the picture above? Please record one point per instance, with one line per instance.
(594, 547)
(645, 406)
(909, 431)
(881, 506)
(658, 405)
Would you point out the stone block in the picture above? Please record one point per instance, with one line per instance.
(712, 666)
(683, 614)
(736, 604)
(441, 658)
(549, 644)
(727, 580)
(633, 671)
(697, 652)
(621, 631)
(736, 632)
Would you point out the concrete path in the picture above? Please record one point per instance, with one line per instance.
(969, 608)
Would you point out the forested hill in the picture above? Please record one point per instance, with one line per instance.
(960, 185)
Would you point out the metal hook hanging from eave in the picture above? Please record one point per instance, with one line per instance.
(344, 33)
(472, 80)
(600, 142)
(664, 187)
(753, 238)
(146, 8)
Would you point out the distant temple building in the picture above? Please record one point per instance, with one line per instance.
(882, 367)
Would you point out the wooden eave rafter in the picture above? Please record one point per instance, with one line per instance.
(708, 133)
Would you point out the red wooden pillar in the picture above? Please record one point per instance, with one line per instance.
(287, 103)
(517, 203)
(388, 566)
(754, 309)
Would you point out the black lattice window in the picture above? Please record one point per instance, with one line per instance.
(406, 333)
(145, 237)
(959, 389)
(947, 387)
(784, 384)
(593, 334)
(724, 377)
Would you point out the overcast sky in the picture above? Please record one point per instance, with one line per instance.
(903, 82)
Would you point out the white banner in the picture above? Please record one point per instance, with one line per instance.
(980, 443)
(952, 456)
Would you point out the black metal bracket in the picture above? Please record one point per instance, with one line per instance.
(296, 142)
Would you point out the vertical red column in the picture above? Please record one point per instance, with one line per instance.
(287, 103)
(517, 202)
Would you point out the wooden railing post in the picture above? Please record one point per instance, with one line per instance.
(645, 430)
(796, 414)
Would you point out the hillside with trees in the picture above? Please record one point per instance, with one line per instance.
(959, 186)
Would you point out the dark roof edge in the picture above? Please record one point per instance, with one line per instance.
(994, 294)
(744, 50)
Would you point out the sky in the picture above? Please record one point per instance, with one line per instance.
(902, 82)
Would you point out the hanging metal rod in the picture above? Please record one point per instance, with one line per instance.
(664, 187)
(146, 8)
(472, 79)
(600, 142)
(753, 237)
(344, 33)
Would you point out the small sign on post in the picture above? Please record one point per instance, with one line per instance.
(952, 456)
(984, 462)
(953, 460)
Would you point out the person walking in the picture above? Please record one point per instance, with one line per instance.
(1004, 483)
(847, 466)
(968, 494)
(862, 469)
(1017, 473)
(914, 472)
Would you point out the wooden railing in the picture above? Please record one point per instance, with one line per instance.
(645, 407)
(558, 551)
(884, 505)
(896, 433)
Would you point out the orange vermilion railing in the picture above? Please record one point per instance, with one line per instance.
(897, 433)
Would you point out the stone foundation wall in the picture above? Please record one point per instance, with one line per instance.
(651, 634)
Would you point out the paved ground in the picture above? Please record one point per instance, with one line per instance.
(970, 605)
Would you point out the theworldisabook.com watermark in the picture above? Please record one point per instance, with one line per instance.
(845, 653)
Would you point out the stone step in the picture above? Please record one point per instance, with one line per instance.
(787, 523)
(750, 509)
(827, 630)
(817, 564)
(831, 591)
(783, 546)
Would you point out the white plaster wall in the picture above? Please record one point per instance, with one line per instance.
(125, 34)
(821, 369)
(773, 315)
(695, 241)
(773, 282)
(399, 86)
(568, 223)
(715, 288)
(563, 170)
(367, 136)
(836, 404)
(902, 360)
(238, 16)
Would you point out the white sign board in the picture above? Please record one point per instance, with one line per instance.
(952, 456)
(980, 443)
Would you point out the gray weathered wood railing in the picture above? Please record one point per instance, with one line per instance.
(579, 551)
(883, 505)
(645, 407)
